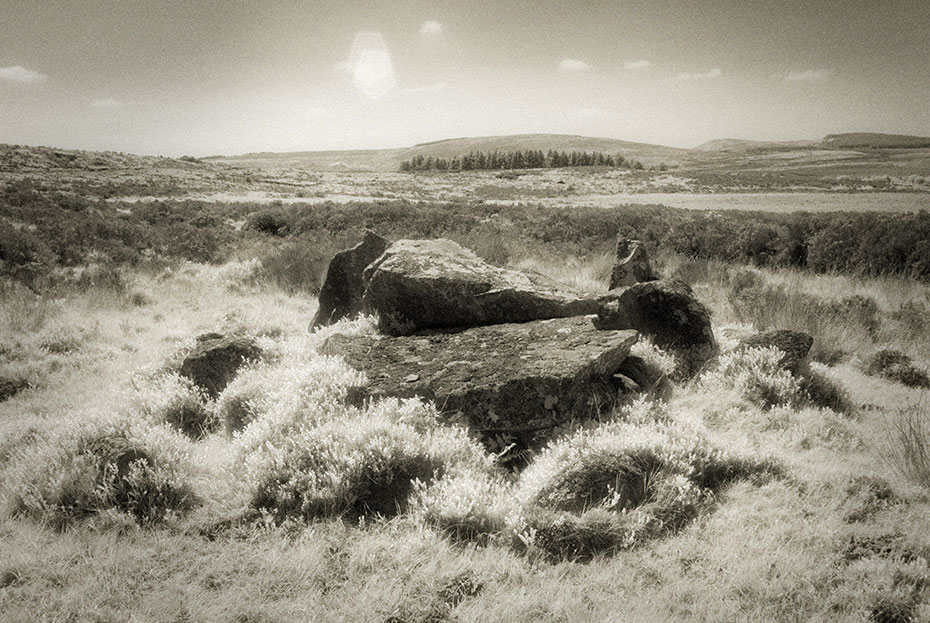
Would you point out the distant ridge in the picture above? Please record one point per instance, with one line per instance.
(875, 140)
(742, 145)
(390, 159)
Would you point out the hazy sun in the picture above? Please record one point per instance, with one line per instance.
(370, 65)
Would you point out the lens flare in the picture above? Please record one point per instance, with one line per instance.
(370, 65)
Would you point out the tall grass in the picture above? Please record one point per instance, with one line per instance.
(905, 447)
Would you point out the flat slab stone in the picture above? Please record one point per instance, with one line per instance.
(437, 284)
(512, 383)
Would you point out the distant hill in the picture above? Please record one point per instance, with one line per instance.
(35, 159)
(741, 145)
(390, 159)
(864, 140)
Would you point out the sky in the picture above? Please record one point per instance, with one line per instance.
(203, 77)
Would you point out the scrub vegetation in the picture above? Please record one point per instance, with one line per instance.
(748, 493)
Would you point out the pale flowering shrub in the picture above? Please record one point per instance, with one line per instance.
(364, 463)
(620, 484)
(659, 361)
(104, 464)
(237, 275)
(176, 401)
(467, 506)
(267, 400)
(757, 376)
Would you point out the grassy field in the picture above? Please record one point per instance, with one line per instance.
(749, 495)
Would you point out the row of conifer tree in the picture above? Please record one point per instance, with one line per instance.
(519, 159)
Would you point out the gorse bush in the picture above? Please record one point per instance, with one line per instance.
(363, 464)
(896, 366)
(174, 400)
(620, 484)
(104, 464)
(757, 375)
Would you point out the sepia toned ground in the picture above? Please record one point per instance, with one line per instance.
(839, 533)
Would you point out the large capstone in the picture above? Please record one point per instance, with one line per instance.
(343, 288)
(513, 384)
(437, 284)
(667, 312)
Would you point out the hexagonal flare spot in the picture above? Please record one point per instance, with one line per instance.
(370, 65)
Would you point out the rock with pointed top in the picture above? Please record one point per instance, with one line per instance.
(632, 264)
(344, 286)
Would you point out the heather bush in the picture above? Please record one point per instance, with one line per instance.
(469, 506)
(757, 376)
(174, 400)
(103, 464)
(621, 484)
(896, 366)
(363, 464)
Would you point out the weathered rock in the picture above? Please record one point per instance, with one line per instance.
(344, 286)
(214, 361)
(637, 376)
(666, 311)
(9, 387)
(793, 344)
(436, 284)
(513, 383)
(632, 264)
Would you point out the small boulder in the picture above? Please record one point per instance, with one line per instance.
(512, 383)
(344, 286)
(669, 313)
(437, 284)
(795, 345)
(9, 387)
(215, 359)
(632, 264)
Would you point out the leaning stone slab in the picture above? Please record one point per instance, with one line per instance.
(669, 313)
(632, 264)
(437, 284)
(512, 383)
(341, 294)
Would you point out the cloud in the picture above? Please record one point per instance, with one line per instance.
(807, 75)
(106, 103)
(713, 73)
(640, 64)
(589, 112)
(431, 28)
(18, 73)
(571, 64)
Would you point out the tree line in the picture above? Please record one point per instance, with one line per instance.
(519, 159)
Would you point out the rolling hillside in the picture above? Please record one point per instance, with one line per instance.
(390, 159)
(863, 140)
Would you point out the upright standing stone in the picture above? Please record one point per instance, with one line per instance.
(632, 264)
(344, 286)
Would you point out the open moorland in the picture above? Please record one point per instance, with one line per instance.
(740, 489)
